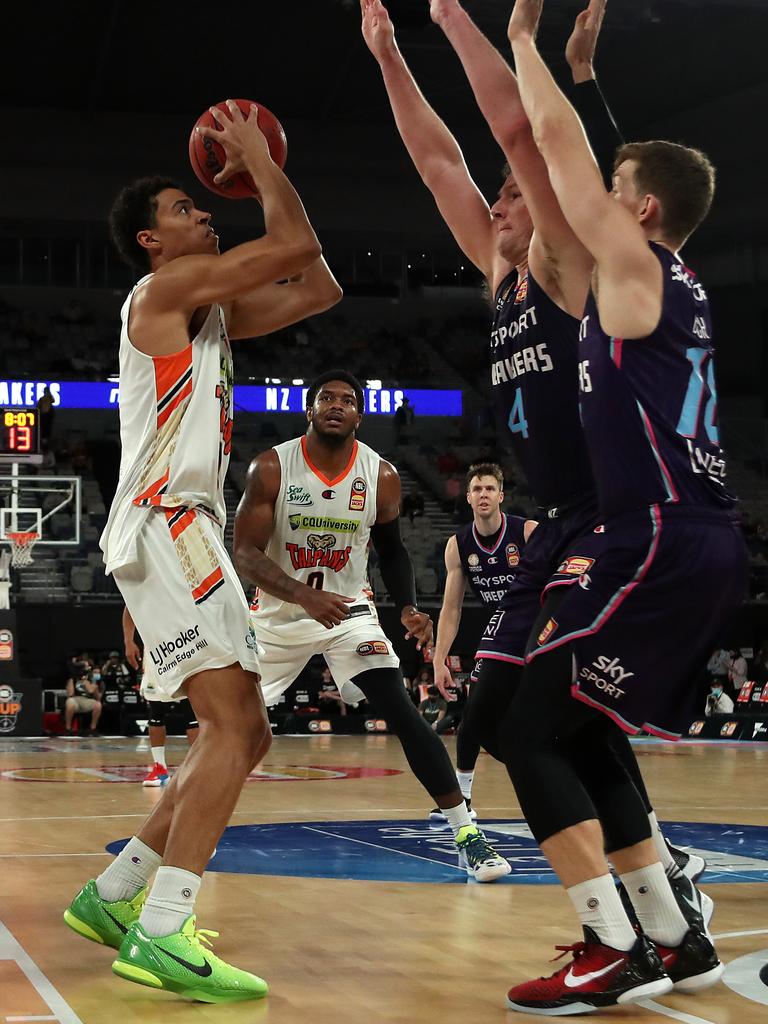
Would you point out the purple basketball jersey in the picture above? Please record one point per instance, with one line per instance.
(534, 366)
(649, 406)
(490, 567)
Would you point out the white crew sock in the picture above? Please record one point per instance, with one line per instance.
(130, 871)
(465, 783)
(655, 905)
(668, 862)
(170, 901)
(158, 755)
(457, 817)
(599, 907)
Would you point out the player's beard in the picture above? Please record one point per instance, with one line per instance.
(332, 440)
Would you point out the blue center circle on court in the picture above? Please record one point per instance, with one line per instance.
(418, 851)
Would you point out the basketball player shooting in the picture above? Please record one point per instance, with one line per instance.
(664, 571)
(164, 545)
(310, 507)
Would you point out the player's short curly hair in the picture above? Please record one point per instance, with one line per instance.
(486, 469)
(681, 178)
(343, 375)
(134, 209)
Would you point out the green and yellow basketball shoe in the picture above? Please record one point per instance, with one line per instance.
(96, 919)
(179, 963)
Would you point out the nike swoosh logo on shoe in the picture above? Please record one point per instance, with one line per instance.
(577, 980)
(693, 904)
(114, 920)
(203, 970)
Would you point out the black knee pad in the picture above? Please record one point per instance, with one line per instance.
(157, 713)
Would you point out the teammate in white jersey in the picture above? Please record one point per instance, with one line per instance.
(301, 534)
(164, 538)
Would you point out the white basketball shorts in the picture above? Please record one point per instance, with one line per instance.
(186, 600)
(349, 649)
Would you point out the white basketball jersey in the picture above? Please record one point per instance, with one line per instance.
(175, 431)
(321, 531)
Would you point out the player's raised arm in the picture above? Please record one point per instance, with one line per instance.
(585, 93)
(395, 562)
(254, 523)
(450, 617)
(433, 149)
(273, 306)
(288, 247)
(630, 304)
(554, 247)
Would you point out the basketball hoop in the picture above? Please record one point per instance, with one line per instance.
(22, 542)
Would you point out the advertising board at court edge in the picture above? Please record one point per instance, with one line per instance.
(270, 398)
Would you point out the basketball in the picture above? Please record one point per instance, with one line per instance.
(208, 159)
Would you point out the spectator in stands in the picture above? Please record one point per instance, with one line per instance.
(115, 672)
(403, 421)
(737, 671)
(760, 665)
(45, 408)
(434, 708)
(718, 702)
(453, 492)
(83, 697)
(413, 504)
(719, 664)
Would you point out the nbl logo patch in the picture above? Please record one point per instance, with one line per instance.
(357, 495)
(522, 291)
(513, 555)
(6, 645)
(369, 647)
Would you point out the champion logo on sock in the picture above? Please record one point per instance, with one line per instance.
(593, 903)
(643, 890)
(186, 893)
(135, 860)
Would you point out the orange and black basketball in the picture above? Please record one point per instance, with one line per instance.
(208, 159)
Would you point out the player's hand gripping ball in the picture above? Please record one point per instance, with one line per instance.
(208, 158)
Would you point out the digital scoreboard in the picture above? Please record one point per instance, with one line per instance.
(20, 435)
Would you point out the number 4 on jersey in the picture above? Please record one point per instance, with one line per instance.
(517, 422)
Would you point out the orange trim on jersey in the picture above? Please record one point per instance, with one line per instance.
(180, 525)
(170, 369)
(151, 491)
(216, 577)
(319, 474)
(175, 402)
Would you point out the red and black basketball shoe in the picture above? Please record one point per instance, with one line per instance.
(597, 976)
(694, 964)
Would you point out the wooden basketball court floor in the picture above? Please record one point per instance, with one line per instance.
(337, 949)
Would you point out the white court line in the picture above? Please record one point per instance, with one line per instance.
(387, 849)
(26, 856)
(737, 935)
(685, 1018)
(11, 950)
(31, 1018)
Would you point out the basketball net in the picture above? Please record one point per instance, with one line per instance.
(22, 542)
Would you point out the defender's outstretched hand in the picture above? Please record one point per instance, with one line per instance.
(378, 30)
(580, 48)
(525, 19)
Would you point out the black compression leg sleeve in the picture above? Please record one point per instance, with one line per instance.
(626, 755)
(560, 758)
(157, 712)
(422, 747)
(489, 699)
(467, 746)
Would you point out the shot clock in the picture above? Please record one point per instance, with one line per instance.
(20, 435)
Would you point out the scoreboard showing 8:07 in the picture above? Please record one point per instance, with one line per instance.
(20, 435)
